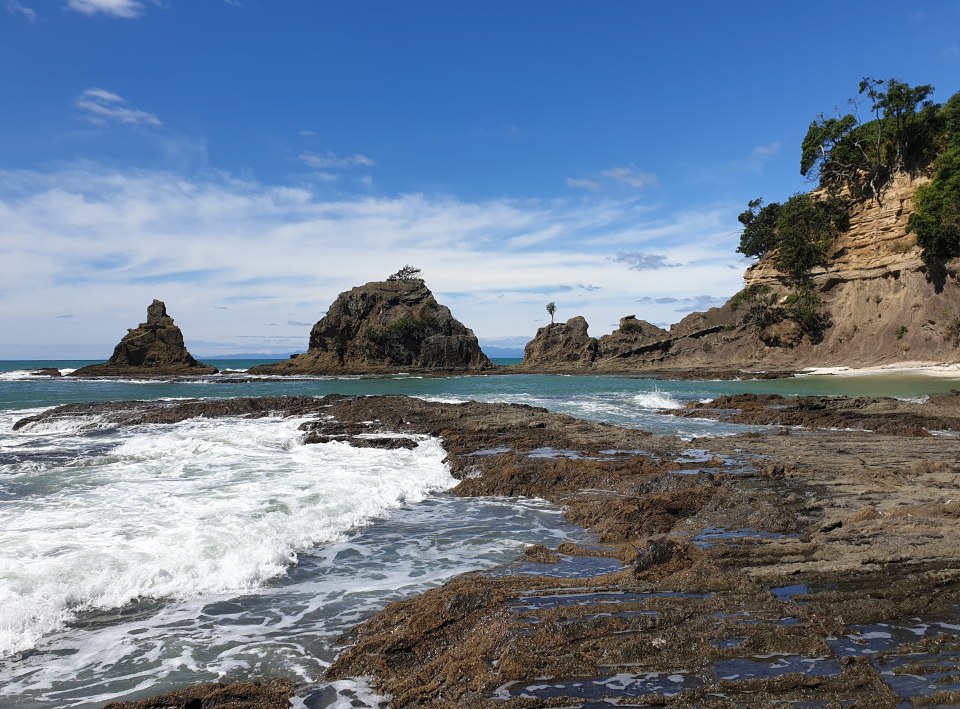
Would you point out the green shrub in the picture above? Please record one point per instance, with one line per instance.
(936, 219)
(746, 296)
(803, 307)
(806, 228)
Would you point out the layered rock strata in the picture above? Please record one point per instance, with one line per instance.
(152, 349)
(383, 327)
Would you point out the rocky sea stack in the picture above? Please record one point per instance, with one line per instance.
(386, 326)
(561, 344)
(152, 349)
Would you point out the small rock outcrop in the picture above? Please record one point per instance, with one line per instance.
(383, 327)
(559, 345)
(632, 338)
(152, 349)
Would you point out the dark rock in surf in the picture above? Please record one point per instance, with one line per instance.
(152, 349)
(383, 327)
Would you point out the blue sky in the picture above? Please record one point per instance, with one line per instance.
(246, 160)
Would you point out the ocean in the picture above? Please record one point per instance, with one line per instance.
(136, 560)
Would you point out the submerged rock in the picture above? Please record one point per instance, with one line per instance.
(154, 348)
(272, 694)
(386, 326)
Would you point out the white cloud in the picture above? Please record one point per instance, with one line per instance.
(327, 160)
(114, 8)
(230, 257)
(760, 155)
(101, 106)
(16, 8)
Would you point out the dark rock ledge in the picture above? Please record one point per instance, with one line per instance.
(819, 568)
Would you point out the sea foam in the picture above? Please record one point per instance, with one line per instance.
(196, 508)
(656, 399)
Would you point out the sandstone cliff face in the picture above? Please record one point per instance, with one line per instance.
(386, 326)
(154, 348)
(881, 305)
(875, 287)
(560, 345)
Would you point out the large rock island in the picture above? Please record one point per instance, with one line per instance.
(152, 349)
(386, 327)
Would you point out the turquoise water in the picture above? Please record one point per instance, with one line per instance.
(19, 390)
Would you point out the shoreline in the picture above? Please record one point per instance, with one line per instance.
(916, 368)
(944, 370)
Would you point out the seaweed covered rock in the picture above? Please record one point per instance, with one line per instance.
(386, 326)
(153, 348)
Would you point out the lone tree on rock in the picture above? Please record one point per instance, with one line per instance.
(407, 273)
(551, 308)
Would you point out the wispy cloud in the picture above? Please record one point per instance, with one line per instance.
(697, 302)
(115, 8)
(630, 176)
(17, 8)
(644, 262)
(589, 287)
(327, 160)
(626, 175)
(583, 183)
(761, 155)
(85, 239)
(102, 107)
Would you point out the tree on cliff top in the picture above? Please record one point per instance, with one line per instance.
(861, 158)
(407, 273)
(551, 308)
